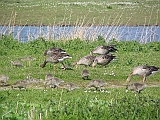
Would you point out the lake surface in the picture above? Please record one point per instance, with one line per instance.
(143, 34)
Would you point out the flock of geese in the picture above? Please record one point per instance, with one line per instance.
(101, 55)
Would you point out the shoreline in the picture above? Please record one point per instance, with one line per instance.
(67, 25)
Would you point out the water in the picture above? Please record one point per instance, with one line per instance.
(143, 34)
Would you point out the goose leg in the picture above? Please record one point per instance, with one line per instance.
(64, 67)
(45, 86)
(44, 64)
(144, 79)
(54, 67)
(138, 91)
(87, 78)
(93, 66)
(129, 77)
(94, 63)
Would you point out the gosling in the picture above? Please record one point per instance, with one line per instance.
(97, 84)
(3, 79)
(17, 63)
(70, 86)
(138, 87)
(53, 82)
(85, 74)
(49, 77)
(20, 84)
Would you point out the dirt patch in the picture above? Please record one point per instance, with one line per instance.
(8, 87)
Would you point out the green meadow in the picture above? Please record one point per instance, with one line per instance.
(82, 12)
(112, 103)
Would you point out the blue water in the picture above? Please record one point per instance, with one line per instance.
(142, 34)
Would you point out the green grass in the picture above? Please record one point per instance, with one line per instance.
(84, 12)
(80, 105)
(36, 103)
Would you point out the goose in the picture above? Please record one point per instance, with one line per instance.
(97, 83)
(53, 50)
(86, 60)
(54, 82)
(33, 80)
(138, 87)
(17, 63)
(70, 86)
(143, 71)
(20, 84)
(49, 76)
(102, 50)
(103, 60)
(3, 79)
(56, 58)
(85, 74)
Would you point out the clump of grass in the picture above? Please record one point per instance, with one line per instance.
(109, 7)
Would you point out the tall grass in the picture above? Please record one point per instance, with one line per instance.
(141, 34)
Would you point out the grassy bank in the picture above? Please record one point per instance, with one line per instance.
(37, 103)
(84, 12)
